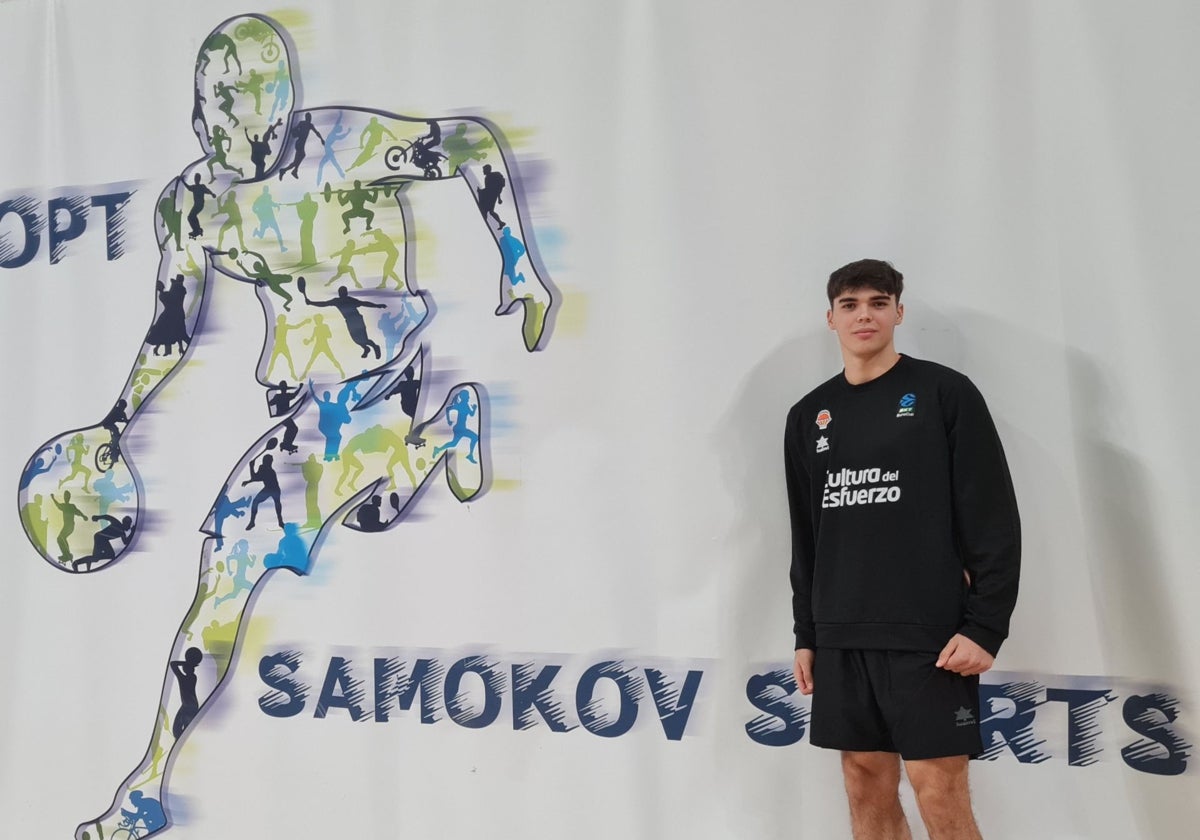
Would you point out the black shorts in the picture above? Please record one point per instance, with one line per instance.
(893, 701)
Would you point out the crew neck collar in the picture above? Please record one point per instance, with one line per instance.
(902, 361)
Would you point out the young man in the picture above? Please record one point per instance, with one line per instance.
(905, 558)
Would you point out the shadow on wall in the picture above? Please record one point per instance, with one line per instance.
(1131, 577)
(758, 545)
(1049, 400)
(1131, 584)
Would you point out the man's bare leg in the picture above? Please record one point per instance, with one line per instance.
(944, 797)
(873, 788)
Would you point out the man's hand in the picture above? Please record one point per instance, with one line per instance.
(802, 669)
(962, 656)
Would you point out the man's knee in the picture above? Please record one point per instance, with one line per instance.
(940, 782)
(870, 775)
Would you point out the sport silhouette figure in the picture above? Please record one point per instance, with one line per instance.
(300, 500)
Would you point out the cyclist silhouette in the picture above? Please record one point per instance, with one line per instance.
(147, 811)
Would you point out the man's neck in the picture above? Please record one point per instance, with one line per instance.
(860, 369)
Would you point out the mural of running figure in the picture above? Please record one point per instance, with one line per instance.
(340, 405)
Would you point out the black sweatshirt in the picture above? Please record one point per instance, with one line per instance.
(895, 486)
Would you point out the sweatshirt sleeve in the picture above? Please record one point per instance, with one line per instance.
(799, 491)
(986, 523)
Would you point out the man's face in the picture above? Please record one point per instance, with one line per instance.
(864, 320)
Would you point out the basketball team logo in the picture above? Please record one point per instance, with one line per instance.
(823, 418)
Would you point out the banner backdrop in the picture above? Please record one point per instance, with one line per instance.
(395, 396)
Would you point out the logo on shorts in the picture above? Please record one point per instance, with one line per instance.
(964, 717)
(822, 444)
(908, 406)
(823, 418)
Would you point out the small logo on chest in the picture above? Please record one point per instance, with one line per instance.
(908, 406)
(823, 418)
(822, 444)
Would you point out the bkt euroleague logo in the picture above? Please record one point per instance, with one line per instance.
(845, 487)
(908, 406)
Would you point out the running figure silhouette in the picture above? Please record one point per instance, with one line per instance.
(395, 446)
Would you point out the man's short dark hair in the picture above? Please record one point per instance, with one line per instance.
(865, 274)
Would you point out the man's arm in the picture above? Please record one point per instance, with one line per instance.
(803, 544)
(799, 494)
(986, 523)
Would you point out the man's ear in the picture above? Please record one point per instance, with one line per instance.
(829, 318)
(899, 312)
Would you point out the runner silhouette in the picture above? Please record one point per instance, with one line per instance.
(225, 93)
(220, 142)
(462, 409)
(512, 250)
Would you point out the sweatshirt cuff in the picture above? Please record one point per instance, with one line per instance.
(989, 640)
(806, 639)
